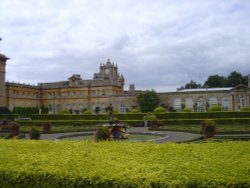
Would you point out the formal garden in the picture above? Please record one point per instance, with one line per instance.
(219, 159)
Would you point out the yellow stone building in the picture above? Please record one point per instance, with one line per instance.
(107, 87)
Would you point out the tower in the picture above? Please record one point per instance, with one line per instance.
(3, 60)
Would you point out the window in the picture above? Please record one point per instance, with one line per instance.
(213, 101)
(240, 102)
(177, 104)
(122, 107)
(225, 103)
(189, 103)
(201, 104)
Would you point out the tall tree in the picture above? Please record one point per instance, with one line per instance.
(148, 100)
(235, 79)
(191, 85)
(215, 81)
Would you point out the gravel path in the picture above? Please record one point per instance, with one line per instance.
(171, 136)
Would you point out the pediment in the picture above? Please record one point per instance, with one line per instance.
(240, 87)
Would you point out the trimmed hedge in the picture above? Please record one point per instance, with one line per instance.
(129, 116)
(47, 164)
(203, 115)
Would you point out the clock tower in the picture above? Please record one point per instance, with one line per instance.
(109, 73)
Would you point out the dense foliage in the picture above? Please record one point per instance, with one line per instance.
(121, 164)
(214, 81)
(148, 100)
(4, 110)
(29, 110)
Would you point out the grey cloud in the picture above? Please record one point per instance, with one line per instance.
(156, 44)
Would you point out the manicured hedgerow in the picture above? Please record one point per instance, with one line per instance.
(121, 164)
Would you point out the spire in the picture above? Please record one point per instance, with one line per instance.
(108, 62)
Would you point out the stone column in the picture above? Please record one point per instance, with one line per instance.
(232, 103)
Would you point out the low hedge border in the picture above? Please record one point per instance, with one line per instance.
(138, 116)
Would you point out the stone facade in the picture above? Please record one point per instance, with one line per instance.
(3, 60)
(107, 87)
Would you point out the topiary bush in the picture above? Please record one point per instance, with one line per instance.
(214, 108)
(46, 127)
(186, 109)
(34, 133)
(159, 110)
(65, 111)
(102, 134)
(208, 128)
(87, 112)
(134, 111)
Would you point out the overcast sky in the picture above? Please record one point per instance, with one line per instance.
(157, 44)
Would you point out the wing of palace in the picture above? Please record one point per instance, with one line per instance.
(107, 87)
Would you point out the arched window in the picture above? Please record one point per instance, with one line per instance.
(201, 104)
(177, 104)
(225, 103)
(213, 101)
(240, 102)
(189, 103)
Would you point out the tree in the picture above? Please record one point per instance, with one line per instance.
(148, 100)
(191, 85)
(215, 81)
(235, 79)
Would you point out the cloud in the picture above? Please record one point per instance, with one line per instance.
(156, 44)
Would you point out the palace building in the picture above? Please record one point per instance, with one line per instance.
(107, 87)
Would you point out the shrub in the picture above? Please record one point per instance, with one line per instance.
(67, 164)
(134, 111)
(245, 109)
(46, 127)
(4, 110)
(208, 128)
(159, 110)
(34, 133)
(102, 133)
(214, 108)
(153, 121)
(87, 112)
(186, 109)
(65, 111)
(13, 127)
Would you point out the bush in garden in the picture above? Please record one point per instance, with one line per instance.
(4, 110)
(87, 112)
(13, 128)
(186, 109)
(102, 134)
(208, 128)
(153, 121)
(159, 110)
(134, 111)
(65, 111)
(46, 127)
(245, 109)
(214, 108)
(34, 133)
